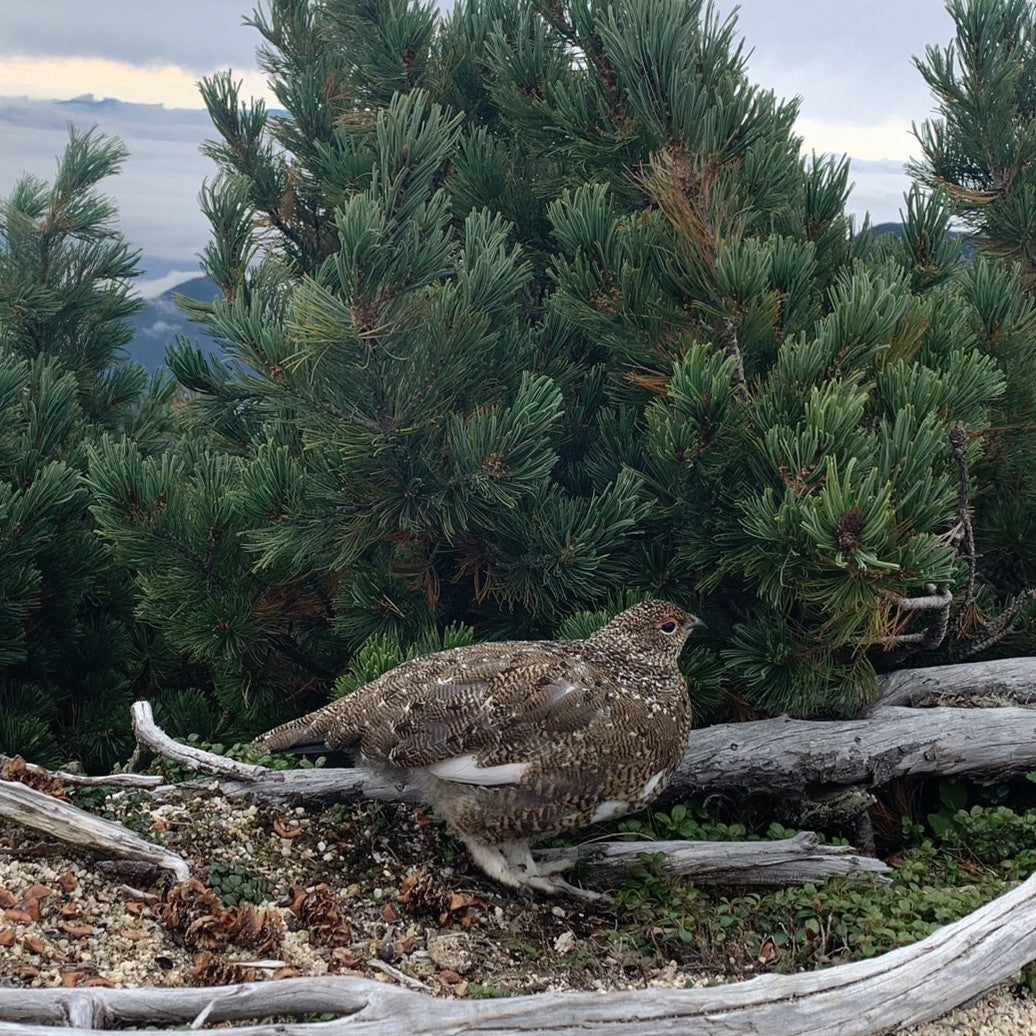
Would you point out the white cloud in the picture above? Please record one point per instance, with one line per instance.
(890, 139)
(48, 78)
(157, 189)
(151, 288)
(200, 35)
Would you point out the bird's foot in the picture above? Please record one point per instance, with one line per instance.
(558, 886)
(511, 863)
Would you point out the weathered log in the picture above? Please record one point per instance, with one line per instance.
(789, 861)
(784, 756)
(772, 757)
(294, 787)
(1000, 682)
(149, 734)
(110, 780)
(905, 987)
(31, 808)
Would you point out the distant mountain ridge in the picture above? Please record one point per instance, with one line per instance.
(161, 321)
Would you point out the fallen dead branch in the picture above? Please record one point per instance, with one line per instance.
(82, 780)
(245, 780)
(1005, 680)
(292, 787)
(151, 736)
(780, 757)
(905, 987)
(30, 808)
(789, 861)
(771, 757)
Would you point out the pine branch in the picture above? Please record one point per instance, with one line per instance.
(937, 601)
(727, 335)
(1000, 627)
(290, 648)
(958, 445)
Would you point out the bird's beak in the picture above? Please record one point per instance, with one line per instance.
(697, 624)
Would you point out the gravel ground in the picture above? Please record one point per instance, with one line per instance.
(1003, 1012)
(67, 920)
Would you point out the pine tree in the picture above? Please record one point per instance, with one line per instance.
(67, 652)
(980, 147)
(533, 311)
(979, 151)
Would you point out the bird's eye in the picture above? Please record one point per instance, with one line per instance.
(669, 627)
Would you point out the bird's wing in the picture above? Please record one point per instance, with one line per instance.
(486, 721)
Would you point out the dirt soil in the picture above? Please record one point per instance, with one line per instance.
(377, 890)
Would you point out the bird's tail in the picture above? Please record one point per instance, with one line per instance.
(309, 733)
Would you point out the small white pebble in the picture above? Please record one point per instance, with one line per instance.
(557, 911)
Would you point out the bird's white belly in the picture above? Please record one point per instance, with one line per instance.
(611, 808)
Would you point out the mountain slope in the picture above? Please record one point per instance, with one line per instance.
(161, 322)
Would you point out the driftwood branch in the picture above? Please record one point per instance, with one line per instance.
(257, 783)
(793, 756)
(82, 780)
(1005, 680)
(149, 734)
(789, 861)
(772, 757)
(292, 787)
(905, 987)
(31, 808)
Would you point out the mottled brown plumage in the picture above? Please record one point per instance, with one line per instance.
(520, 740)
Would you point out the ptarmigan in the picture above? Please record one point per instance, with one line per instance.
(518, 740)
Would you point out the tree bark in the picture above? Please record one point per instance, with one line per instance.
(1004, 681)
(789, 861)
(905, 987)
(31, 808)
(776, 757)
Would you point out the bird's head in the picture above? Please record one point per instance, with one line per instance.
(653, 632)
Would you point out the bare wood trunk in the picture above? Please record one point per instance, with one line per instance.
(82, 780)
(294, 787)
(1000, 682)
(150, 735)
(770, 758)
(789, 861)
(31, 808)
(905, 987)
(783, 756)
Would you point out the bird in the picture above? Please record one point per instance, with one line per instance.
(515, 741)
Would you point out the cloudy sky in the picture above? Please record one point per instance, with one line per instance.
(848, 60)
